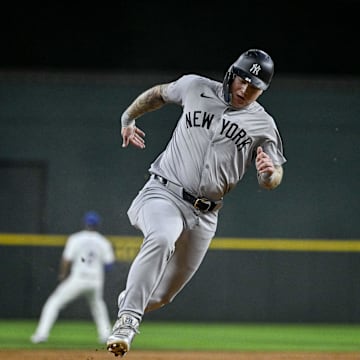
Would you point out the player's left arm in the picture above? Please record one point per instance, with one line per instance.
(269, 175)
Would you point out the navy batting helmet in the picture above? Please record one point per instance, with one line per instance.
(254, 66)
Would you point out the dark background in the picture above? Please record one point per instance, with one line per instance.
(303, 37)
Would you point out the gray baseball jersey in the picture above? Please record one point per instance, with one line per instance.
(214, 144)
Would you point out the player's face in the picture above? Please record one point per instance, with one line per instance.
(243, 93)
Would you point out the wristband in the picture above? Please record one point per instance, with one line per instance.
(126, 121)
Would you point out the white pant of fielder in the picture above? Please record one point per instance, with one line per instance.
(67, 291)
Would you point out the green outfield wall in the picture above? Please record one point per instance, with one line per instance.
(250, 280)
(61, 155)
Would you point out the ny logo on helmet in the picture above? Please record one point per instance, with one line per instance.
(255, 68)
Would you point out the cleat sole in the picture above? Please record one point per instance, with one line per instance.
(117, 349)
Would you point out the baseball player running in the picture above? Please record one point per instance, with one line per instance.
(221, 131)
(86, 257)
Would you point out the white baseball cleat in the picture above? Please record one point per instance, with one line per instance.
(37, 339)
(123, 333)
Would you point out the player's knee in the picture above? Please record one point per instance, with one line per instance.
(157, 303)
(165, 301)
(164, 245)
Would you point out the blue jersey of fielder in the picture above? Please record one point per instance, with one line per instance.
(213, 143)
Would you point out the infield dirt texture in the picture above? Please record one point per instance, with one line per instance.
(172, 355)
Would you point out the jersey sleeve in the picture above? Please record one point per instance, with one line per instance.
(109, 256)
(273, 146)
(69, 249)
(175, 92)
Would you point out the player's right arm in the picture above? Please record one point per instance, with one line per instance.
(64, 270)
(150, 100)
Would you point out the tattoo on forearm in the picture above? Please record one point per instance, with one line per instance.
(149, 100)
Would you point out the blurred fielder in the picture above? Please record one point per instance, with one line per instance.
(86, 257)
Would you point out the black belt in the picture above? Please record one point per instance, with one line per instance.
(202, 204)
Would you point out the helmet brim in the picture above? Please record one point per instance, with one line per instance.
(250, 78)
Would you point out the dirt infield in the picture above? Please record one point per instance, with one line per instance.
(169, 355)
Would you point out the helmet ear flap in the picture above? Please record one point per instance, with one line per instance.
(228, 79)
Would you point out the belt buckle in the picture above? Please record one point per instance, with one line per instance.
(201, 202)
